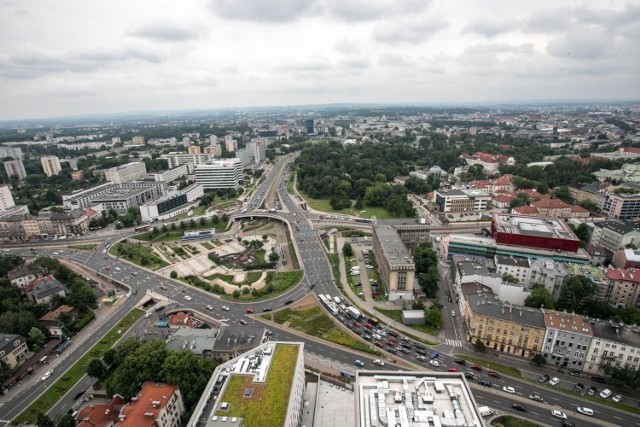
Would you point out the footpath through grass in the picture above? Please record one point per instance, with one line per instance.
(314, 322)
(54, 393)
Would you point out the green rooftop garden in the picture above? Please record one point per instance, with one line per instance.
(267, 405)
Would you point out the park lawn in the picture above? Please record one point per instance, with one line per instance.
(396, 315)
(77, 371)
(323, 205)
(507, 370)
(85, 247)
(136, 254)
(207, 245)
(197, 211)
(314, 321)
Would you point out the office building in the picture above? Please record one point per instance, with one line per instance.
(176, 159)
(257, 151)
(170, 206)
(245, 157)
(15, 167)
(50, 165)
(622, 206)
(173, 174)
(246, 389)
(414, 398)
(504, 327)
(614, 344)
(122, 198)
(397, 269)
(219, 174)
(533, 232)
(85, 198)
(615, 234)
(461, 200)
(309, 126)
(567, 339)
(13, 152)
(125, 173)
(6, 198)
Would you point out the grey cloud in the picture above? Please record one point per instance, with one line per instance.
(316, 64)
(411, 32)
(165, 32)
(489, 29)
(370, 10)
(583, 44)
(562, 19)
(262, 11)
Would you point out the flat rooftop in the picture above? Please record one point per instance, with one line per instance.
(414, 398)
(120, 194)
(396, 252)
(533, 226)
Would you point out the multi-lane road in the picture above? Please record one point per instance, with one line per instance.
(317, 278)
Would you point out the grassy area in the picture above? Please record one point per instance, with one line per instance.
(164, 236)
(197, 211)
(507, 370)
(77, 371)
(206, 245)
(292, 251)
(366, 212)
(334, 260)
(138, 254)
(253, 225)
(511, 421)
(268, 404)
(85, 247)
(397, 316)
(314, 322)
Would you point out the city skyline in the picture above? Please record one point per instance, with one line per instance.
(73, 58)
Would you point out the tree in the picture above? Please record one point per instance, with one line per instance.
(173, 274)
(37, 339)
(66, 420)
(143, 364)
(96, 368)
(273, 256)
(509, 278)
(623, 376)
(417, 305)
(42, 420)
(562, 193)
(189, 372)
(539, 297)
(574, 293)
(539, 360)
(433, 317)
(479, 346)
(347, 250)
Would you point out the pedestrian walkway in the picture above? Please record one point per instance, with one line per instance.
(453, 343)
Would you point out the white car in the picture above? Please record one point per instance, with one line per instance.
(46, 375)
(617, 398)
(225, 308)
(558, 414)
(585, 411)
(605, 393)
(378, 362)
(187, 297)
(509, 390)
(210, 307)
(434, 362)
(421, 357)
(554, 381)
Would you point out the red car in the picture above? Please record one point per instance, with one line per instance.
(368, 326)
(453, 370)
(356, 324)
(249, 310)
(493, 374)
(378, 344)
(476, 368)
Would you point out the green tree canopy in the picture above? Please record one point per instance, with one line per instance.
(540, 297)
(574, 293)
(347, 250)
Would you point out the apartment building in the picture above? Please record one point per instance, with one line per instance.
(13, 350)
(137, 140)
(15, 167)
(615, 234)
(213, 149)
(613, 344)
(219, 174)
(567, 339)
(233, 392)
(13, 152)
(549, 273)
(504, 327)
(176, 159)
(156, 405)
(395, 263)
(194, 149)
(50, 165)
(624, 287)
(6, 198)
(519, 268)
(125, 173)
(230, 144)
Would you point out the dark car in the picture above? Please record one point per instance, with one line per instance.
(484, 382)
(544, 378)
(469, 375)
(79, 394)
(567, 423)
(461, 362)
(493, 374)
(519, 407)
(598, 380)
(578, 387)
(267, 309)
(289, 302)
(405, 350)
(575, 373)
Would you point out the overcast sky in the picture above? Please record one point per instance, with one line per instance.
(69, 57)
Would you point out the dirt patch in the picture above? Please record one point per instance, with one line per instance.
(306, 302)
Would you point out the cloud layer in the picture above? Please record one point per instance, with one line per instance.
(70, 57)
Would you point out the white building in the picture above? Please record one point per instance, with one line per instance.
(468, 200)
(50, 165)
(549, 273)
(519, 268)
(219, 174)
(174, 173)
(125, 173)
(15, 167)
(567, 339)
(245, 157)
(230, 144)
(613, 344)
(238, 379)
(172, 205)
(6, 198)
(176, 159)
(14, 152)
(137, 140)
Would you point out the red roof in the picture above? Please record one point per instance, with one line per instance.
(100, 415)
(526, 210)
(630, 275)
(32, 284)
(634, 150)
(551, 204)
(503, 199)
(486, 157)
(181, 318)
(578, 208)
(145, 408)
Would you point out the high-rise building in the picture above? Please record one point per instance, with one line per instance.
(309, 125)
(50, 165)
(125, 173)
(219, 174)
(230, 144)
(14, 152)
(6, 198)
(15, 167)
(194, 149)
(214, 149)
(137, 140)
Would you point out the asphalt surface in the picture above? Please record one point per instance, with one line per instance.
(318, 278)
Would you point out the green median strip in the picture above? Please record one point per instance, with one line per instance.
(492, 366)
(54, 393)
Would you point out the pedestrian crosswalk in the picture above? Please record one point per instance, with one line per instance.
(453, 343)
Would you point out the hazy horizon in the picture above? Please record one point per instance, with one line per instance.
(74, 58)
